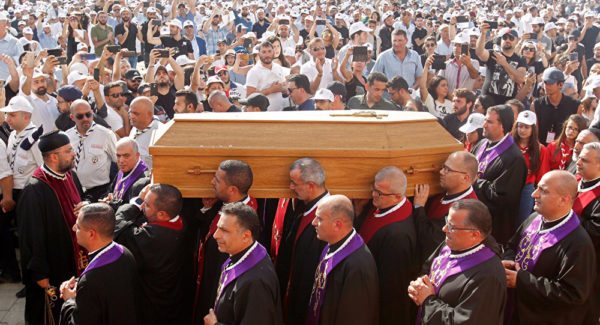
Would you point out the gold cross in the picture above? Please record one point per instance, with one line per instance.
(362, 114)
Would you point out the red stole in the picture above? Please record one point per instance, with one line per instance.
(68, 197)
(375, 221)
(175, 224)
(439, 207)
(277, 229)
(585, 197)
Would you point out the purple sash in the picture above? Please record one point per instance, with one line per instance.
(326, 264)
(485, 157)
(123, 184)
(535, 241)
(445, 266)
(109, 256)
(228, 274)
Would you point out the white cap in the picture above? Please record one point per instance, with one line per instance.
(527, 117)
(164, 31)
(474, 122)
(81, 46)
(80, 67)
(188, 23)
(388, 14)
(37, 73)
(46, 25)
(461, 38)
(596, 45)
(589, 14)
(27, 30)
(593, 84)
(324, 94)
(212, 79)
(309, 17)
(176, 23)
(75, 76)
(152, 9)
(549, 26)
(22, 23)
(538, 21)
(18, 104)
(561, 20)
(184, 60)
(358, 27)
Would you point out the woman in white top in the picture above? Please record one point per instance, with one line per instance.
(435, 96)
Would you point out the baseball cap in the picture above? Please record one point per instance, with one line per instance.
(257, 100)
(337, 88)
(132, 74)
(550, 26)
(70, 93)
(358, 27)
(474, 122)
(27, 30)
(176, 23)
(527, 117)
(188, 23)
(213, 79)
(507, 30)
(324, 94)
(75, 76)
(388, 14)
(81, 46)
(18, 104)
(183, 60)
(553, 75)
(221, 68)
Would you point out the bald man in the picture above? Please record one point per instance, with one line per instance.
(346, 288)
(144, 123)
(584, 137)
(220, 103)
(133, 174)
(550, 262)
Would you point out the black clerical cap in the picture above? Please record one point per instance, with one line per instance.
(53, 140)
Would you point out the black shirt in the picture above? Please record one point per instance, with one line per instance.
(147, 45)
(385, 34)
(167, 102)
(418, 34)
(551, 118)
(131, 37)
(497, 83)
(451, 123)
(344, 31)
(182, 46)
(589, 40)
(260, 29)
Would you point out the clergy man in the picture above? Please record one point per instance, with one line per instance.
(248, 289)
(231, 183)
(464, 281)
(502, 171)
(49, 250)
(389, 232)
(345, 288)
(456, 177)
(584, 137)
(550, 261)
(299, 247)
(132, 177)
(106, 291)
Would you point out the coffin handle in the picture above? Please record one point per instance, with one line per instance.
(200, 171)
(412, 170)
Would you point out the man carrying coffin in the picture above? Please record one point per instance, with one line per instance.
(464, 281)
(345, 288)
(231, 183)
(456, 177)
(502, 171)
(389, 232)
(133, 174)
(248, 289)
(106, 290)
(550, 261)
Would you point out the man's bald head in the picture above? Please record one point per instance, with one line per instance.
(141, 111)
(338, 207)
(218, 101)
(79, 103)
(563, 182)
(468, 161)
(395, 177)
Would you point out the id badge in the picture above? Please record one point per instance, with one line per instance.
(550, 137)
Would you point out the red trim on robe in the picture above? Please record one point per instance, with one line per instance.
(438, 210)
(372, 224)
(584, 198)
(176, 225)
(277, 229)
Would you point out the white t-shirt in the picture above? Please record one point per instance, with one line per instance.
(113, 119)
(438, 109)
(310, 70)
(262, 78)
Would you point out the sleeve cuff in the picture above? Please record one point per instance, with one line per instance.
(137, 202)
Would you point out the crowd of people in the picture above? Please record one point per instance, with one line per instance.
(514, 238)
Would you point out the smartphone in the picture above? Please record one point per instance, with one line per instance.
(462, 19)
(29, 59)
(320, 22)
(129, 54)
(284, 22)
(493, 24)
(55, 52)
(156, 22)
(574, 56)
(359, 54)
(247, 43)
(62, 60)
(164, 53)
(218, 52)
(532, 36)
(88, 57)
(97, 74)
(464, 49)
(146, 4)
(439, 62)
(154, 89)
(113, 48)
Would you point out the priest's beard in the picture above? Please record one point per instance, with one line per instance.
(66, 165)
(41, 91)
(164, 84)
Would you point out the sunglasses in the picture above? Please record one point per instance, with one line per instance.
(430, 45)
(532, 49)
(80, 116)
(118, 95)
(508, 36)
(222, 73)
(315, 49)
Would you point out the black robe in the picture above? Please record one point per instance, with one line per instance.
(500, 190)
(352, 291)
(105, 295)
(475, 296)
(133, 190)
(252, 298)
(559, 286)
(159, 253)
(46, 246)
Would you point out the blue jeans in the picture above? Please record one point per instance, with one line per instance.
(133, 62)
(526, 204)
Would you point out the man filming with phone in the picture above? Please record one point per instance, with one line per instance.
(461, 71)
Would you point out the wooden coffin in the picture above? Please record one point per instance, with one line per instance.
(350, 145)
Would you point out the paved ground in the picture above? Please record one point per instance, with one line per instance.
(11, 308)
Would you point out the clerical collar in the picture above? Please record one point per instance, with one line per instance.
(97, 252)
(52, 173)
(386, 211)
(126, 174)
(457, 196)
(244, 255)
(235, 258)
(584, 186)
(549, 225)
(465, 252)
(492, 145)
(311, 205)
(336, 246)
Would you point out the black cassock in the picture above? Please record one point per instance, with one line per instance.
(557, 289)
(352, 291)
(252, 298)
(500, 190)
(105, 295)
(590, 221)
(46, 246)
(159, 252)
(475, 296)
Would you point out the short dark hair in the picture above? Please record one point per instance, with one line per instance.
(338, 88)
(265, 44)
(189, 97)
(301, 81)
(110, 86)
(376, 76)
(168, 199)
(466, 94)
(245, 215)
(99, 217)
(400, 31)
(398, 83)
(478, 215)
(238, 174)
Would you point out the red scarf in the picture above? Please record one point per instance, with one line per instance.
(373, 222)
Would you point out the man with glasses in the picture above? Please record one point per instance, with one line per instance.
(95, 149)
(505, 69)
(299, 91)
(397, 88)
(464, 279)
(319, 69)
(229, 86)
(389, 232)
(115, 102)
(66, 95)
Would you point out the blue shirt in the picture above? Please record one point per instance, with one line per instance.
(240, 20)
(213, 36)
(308, 105)
(389, 64)
(11, 47)
(47, 42)
(189, 16)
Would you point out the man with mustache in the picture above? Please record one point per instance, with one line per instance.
(45, 111)
(126, 33)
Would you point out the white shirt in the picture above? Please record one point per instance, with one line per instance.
(262, 78)
(310, 70)
(143, 138)
(113, 119)
(95, 154)
(443, 48)
(5, 169)
(44, 113)
(24, 162)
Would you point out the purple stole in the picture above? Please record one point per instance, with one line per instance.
(445, 265)
(534, 240)
(123, 184)
(248, 261)
(110, 255)
(327, 263)
(485, 157)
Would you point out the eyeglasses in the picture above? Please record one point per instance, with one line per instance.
(430, 45)
(447, 169)
(452, 228)
(508, 36)
(222, 73)
(290, 90)
(315, 49)
(379, 193)
(532, 49)
(118, 95)
(80, 116)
